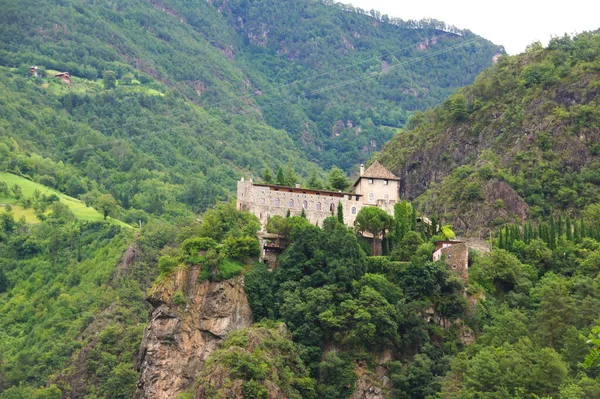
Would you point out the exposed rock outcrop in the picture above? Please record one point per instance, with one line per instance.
(373, 384)
(189, 321)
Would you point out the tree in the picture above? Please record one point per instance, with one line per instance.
(280, 179)
(374, 221)
(402, 213)
(338, 180)
(110, 79)
(408, 245)
(315, 182)
(267, 176)
(340, 213)
(107, 205)
(127, 79)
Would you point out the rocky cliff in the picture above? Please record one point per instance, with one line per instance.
(521, 142)
(188, 322)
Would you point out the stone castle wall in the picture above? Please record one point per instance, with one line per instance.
(266, 201)
(456, 258)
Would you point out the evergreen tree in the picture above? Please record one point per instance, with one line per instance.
(291, 178)
(303, 214)
(315, 182)
(110, 79)
(576, 232)
(582, 232)
(413, 220)
(267, 176)
(559, 226)
(402, 214)
(338, 180)
(340, 213)
(280, 179)
(552, 235)
(569, 228)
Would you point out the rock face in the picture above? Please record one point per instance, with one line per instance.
(189, 321)
(372, 384)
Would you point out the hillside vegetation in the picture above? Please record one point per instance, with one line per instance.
(521, 142)
(31, 200)
(335, 81)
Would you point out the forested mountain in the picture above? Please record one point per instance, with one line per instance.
(171, 101)
(519, 143)
(337, 81)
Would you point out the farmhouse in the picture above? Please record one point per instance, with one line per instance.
(375, 186)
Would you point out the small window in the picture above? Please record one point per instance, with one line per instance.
(291, 203)
(370, 181)
(304, 204)
(371, 197)
(386, 182)
(262, 200)
(318, 206)
(354, 210)
(332, 207)
(276, 201)
(386, 197)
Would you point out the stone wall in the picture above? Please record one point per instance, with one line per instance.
(266, 201)
(456, 257)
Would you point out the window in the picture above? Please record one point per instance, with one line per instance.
(276, 201)
(291, 203)
(332, 207)
(370, 181)
(371, 197)
(386, 197)
(354, 210)
(318, 206)
(386, 182)
(304, 204)
(262, 200)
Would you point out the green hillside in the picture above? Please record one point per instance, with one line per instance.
(337, 81)
(520, 143)
(29, 190)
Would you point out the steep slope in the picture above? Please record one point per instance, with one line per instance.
(181, 336)
(355, 76)
(151, 149)
(522, 141)
(336, 80)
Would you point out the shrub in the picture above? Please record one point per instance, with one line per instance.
(241, 247)
(192, 246)
(472, 192)
(227, 269)
(179, 298)
(167, 264)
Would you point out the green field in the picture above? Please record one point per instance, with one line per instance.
(28, 187)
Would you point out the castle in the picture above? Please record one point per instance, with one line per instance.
(375, 186)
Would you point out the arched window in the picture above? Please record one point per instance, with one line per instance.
(276, 201)
(371, 197)
(332, 207)
(354, 210)
(386, 197)
(304, 204)
(318, 206)
(291, 203)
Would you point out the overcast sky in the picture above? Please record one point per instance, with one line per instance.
(511, 23)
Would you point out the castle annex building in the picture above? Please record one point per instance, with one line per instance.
(375, 186)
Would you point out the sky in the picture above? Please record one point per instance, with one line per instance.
(511, 23)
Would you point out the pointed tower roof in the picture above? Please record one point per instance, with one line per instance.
(378, 171)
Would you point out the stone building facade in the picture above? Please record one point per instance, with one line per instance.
(376, 186)
(456, 256)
